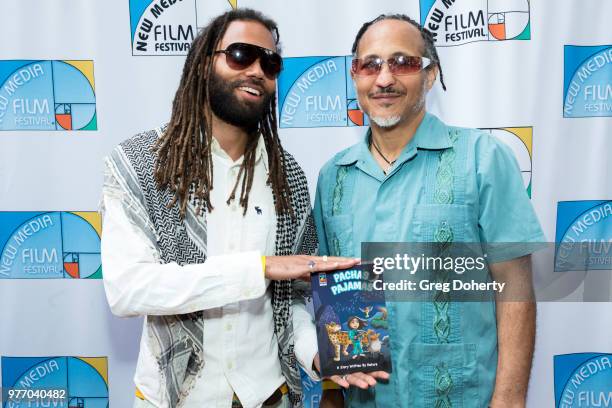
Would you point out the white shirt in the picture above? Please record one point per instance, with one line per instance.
(240, 347)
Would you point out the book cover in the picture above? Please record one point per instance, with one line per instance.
(351, 320)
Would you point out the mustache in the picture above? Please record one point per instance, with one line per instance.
(251, 83)
(387, 91)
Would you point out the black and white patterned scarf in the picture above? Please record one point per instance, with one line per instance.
(176, 341)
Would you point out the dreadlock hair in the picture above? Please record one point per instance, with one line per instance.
(184, 160)
(428, 39)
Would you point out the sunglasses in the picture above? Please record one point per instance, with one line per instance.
(240, 56)
(398, 65)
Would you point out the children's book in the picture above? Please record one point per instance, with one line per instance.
(351, 319)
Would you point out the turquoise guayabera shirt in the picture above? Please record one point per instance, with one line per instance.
(448, 184)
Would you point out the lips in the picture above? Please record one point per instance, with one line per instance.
(251, 90)
(386, 99)
(386, 95)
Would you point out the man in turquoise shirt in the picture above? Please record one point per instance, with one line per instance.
(415, 179)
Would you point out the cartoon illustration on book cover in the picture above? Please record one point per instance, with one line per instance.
(351, 318)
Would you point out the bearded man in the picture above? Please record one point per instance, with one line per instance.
(189, 210)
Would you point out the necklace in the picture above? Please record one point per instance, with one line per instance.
(389, 162)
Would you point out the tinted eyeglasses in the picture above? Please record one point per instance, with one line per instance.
(241, 55)
(398, 65)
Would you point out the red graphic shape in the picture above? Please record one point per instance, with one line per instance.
(72, 269)
(64, 120)
(498, 30)
(356, 116)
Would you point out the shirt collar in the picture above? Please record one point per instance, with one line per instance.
(432, 134)
(260, 153)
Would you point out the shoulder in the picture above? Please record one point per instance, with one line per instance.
(480, 140)
(142, 140)
(296, 178)
(298, 184)
(137, 147)
(342, 158)
(292, 167)
(482, 145)
(134, 157)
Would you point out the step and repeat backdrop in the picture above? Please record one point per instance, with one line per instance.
(78, 77)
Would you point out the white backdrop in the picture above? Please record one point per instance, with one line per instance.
(491, 84)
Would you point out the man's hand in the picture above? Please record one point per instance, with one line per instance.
(301, 266)
(361, 380)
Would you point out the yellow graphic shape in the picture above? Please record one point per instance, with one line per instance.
(233, 3)
(526, 136)
(100, 364)
(520, 141)
(91, 217)
(86, 67)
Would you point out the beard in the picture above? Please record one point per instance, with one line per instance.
(386, 122)
(229, 108)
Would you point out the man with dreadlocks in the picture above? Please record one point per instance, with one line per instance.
(415, 179)
(189, 209)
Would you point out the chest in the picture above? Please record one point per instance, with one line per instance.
(230, 227)
(426, 199)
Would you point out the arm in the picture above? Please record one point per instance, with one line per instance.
(136, 283)
(516, 315)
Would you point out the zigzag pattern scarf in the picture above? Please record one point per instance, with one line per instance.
(176, 341)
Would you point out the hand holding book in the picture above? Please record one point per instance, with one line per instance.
(352, 327)
(358, 379)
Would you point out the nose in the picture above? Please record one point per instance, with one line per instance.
(385, 78)
(254, 70)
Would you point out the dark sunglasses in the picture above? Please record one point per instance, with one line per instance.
(398, 65)
(242, 55)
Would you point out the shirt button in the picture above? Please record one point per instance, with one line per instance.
(228, 327)
(230, 365)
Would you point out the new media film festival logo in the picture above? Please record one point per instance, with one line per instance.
(50, 245)
(83, 379)
(583, 380)
(457, 22)
(583, 235)
(167, 27)
(587, 81)
(318, 92)
(47, 95)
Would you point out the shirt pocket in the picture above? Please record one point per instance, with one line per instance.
(443, 223)
(442, 373)
(339, 234)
